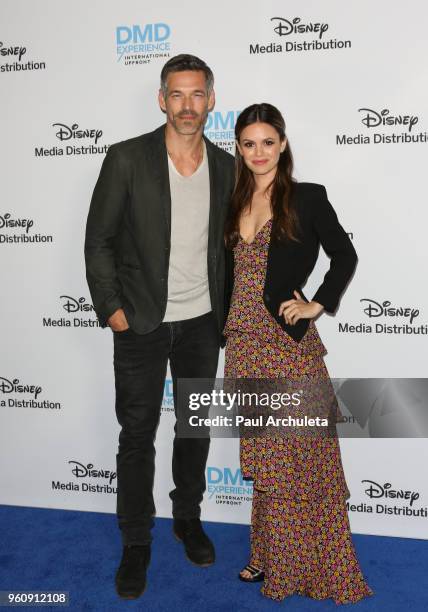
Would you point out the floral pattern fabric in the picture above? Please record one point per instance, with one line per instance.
(300, 533)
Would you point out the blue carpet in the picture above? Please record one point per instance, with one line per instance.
(78, 552)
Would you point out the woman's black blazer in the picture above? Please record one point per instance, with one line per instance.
(290, 263)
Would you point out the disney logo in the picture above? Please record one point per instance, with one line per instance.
(372, 118)
(7, 221)
(84, 471)
(73, 305)
(375, 491)
(13, 386)
(374, 309)
(19, 51)
(66, 133)
(286, 27)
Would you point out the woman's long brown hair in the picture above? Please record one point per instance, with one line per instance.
(284, 215)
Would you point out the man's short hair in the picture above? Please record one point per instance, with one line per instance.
(182, 62)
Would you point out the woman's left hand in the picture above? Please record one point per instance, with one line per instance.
(293, 310)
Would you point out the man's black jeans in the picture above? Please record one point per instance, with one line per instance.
(140, 364)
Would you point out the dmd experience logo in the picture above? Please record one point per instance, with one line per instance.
(225, 486)
(220, 129)
(168, 396)
(140, 44)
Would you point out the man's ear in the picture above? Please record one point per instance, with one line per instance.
(161, 100)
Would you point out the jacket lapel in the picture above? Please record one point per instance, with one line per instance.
(161, 173)
(215, 199)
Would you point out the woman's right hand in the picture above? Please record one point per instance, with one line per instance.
(295, 309)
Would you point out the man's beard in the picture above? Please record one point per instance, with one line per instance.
(189, 127)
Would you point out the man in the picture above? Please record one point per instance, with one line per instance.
(154, 254)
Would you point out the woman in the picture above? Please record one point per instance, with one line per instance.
(300, 534)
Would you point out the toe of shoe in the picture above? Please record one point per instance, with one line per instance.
(130, 590)
(201, 557)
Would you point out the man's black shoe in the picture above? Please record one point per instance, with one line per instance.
(131, 575)
(199, 548)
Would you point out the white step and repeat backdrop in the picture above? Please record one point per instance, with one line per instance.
(77, 76)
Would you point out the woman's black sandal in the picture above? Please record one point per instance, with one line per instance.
(257, 575)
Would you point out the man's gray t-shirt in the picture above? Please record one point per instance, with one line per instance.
(188, 290)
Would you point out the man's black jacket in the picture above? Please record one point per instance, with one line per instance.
(128, 231)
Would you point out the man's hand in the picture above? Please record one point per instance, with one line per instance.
(118, 321)
(293, 310)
